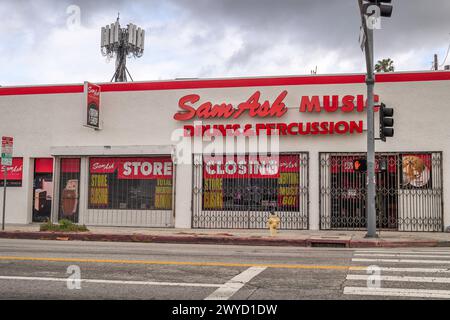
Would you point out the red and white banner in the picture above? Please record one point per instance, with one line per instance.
(249, 166)
(13, 172)
(92, 96)
(133, 168)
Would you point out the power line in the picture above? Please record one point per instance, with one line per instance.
(446, 56)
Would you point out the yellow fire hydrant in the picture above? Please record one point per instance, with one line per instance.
(273, 223)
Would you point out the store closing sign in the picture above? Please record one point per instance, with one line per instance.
(134, 168)
(249, 166)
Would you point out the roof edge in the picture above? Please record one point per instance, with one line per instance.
(192, 83)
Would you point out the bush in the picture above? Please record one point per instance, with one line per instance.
(64, 225)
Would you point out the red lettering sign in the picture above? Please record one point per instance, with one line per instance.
(225, 110)
(134, 168)
(333, 103)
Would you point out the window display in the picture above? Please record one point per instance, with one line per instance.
(251, 183)
(143, 183)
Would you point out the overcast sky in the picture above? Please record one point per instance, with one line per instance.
(213, 38)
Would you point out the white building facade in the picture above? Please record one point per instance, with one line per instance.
(222, 153)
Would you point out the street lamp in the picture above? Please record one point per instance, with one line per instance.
(122, 43)
(371, 11)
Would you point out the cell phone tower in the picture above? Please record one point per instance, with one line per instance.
(122, 43)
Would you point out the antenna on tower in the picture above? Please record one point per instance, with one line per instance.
(122, 43)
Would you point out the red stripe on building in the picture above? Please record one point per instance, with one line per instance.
(231, 83)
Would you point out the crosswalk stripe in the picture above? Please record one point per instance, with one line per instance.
(400, 278)
(227, 290)
(417, 270)
(400, 255)
(401, 261)
(398, 292)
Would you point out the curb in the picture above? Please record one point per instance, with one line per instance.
(192, 239)
(223, 240)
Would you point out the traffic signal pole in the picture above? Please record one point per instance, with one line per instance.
(370, 82)
(371, 182)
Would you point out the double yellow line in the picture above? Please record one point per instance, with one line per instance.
(177, 263)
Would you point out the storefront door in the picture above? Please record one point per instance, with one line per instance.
(42, 189)
(69, 189)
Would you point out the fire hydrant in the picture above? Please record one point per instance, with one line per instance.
(273, 223)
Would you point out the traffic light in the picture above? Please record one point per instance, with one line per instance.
(360, 165)
(384, 5)
(386, 122)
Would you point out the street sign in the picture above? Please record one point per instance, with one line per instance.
(7, 150)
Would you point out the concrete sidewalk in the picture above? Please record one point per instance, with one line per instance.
(303, 238)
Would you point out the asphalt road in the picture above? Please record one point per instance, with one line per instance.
(35, 269)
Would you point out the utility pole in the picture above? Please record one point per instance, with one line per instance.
(369, 23)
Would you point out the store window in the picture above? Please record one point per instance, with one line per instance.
(69, 190)
(408, 191)
(251, 183)
(42, 189)
(13, 173)
(138, 183)
(348, 195)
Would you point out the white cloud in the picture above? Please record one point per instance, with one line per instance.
(210, 39)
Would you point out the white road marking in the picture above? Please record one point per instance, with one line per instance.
(399, 255)
(231, 287)
(418, 270)
(400, 278)
(401, 261)
(150, 283)
(405, 252)
(398, 292)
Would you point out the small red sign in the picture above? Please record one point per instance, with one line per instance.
(92, 92)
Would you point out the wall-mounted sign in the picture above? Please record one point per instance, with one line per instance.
(92, 105)
(193, 107)
(13, 173)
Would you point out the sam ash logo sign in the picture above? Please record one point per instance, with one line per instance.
(193, 107)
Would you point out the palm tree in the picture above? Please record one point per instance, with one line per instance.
(385, 65)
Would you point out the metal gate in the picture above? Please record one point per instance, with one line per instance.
(409, 193)
(244, 201)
